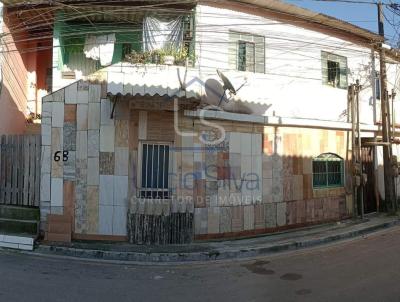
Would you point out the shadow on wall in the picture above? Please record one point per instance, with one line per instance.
(259, 179)
(233, 196)
(214, 94)
(24, 70)
(12, 119)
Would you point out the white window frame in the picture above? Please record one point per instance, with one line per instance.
(327, 56)
(140, 165)
(244, 37)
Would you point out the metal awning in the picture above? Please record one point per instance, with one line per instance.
(152, 80)
(130, 80)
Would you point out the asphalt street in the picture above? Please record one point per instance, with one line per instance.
(366, 269)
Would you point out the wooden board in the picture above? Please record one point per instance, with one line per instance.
(20, 170)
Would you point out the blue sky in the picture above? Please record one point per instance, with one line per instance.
(363, 15)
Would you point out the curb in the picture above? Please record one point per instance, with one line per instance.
(213, 255)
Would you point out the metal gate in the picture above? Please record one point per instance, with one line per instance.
(20, 170)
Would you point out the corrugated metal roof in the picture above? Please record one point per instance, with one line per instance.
(170, 81)
(151, 80)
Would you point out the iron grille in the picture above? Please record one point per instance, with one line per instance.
(328, 171)
(154, 174)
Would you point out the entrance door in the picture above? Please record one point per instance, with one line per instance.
(367, 153)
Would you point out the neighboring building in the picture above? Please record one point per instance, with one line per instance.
(25, 70)
(129, 154)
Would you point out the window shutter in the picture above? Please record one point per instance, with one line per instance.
(343, 72)
(250, 57)
(324, 67)
(233, 50)
(343, 77)
(260, 54)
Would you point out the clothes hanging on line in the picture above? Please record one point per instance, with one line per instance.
(100, 48)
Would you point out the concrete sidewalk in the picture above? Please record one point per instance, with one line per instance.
(219, 250)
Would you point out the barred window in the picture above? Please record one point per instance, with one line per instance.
(246, 52)
(154, 159)
(246, 56)
(334, 70)
(328, 171)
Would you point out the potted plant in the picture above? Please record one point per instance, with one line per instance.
(169, 60)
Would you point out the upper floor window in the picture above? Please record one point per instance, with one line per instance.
(334, 70)
(328, 171)
(246, 52)
(246, 58)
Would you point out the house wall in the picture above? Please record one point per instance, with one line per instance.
(13, 97)
(91, 184)
(96, 184)
(77, 61)
(257, 179)
(292, 83)
(24, 72)
(262, 180)
(43, 70)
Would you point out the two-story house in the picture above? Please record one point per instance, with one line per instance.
(169, 123)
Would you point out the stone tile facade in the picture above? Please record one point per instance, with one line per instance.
(264, 180)
(256, 179)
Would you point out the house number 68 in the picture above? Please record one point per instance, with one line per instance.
(57, 155)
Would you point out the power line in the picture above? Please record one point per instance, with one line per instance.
(346, 1)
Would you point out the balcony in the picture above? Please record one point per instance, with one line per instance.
(86, 43)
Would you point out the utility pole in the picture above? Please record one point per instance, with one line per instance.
(392, 97)
(354, 155)
(390, 199)
(359, 148)
(358, 182)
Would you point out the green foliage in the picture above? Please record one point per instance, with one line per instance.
(139, 57)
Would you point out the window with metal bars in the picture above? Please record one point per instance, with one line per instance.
(328, 171)
(155, 159)
(334, 70)
(246, 52)
(333, 73)
(246, 56)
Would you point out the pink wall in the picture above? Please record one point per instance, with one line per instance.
(17, 62)
(44, 63)
(13, 98)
